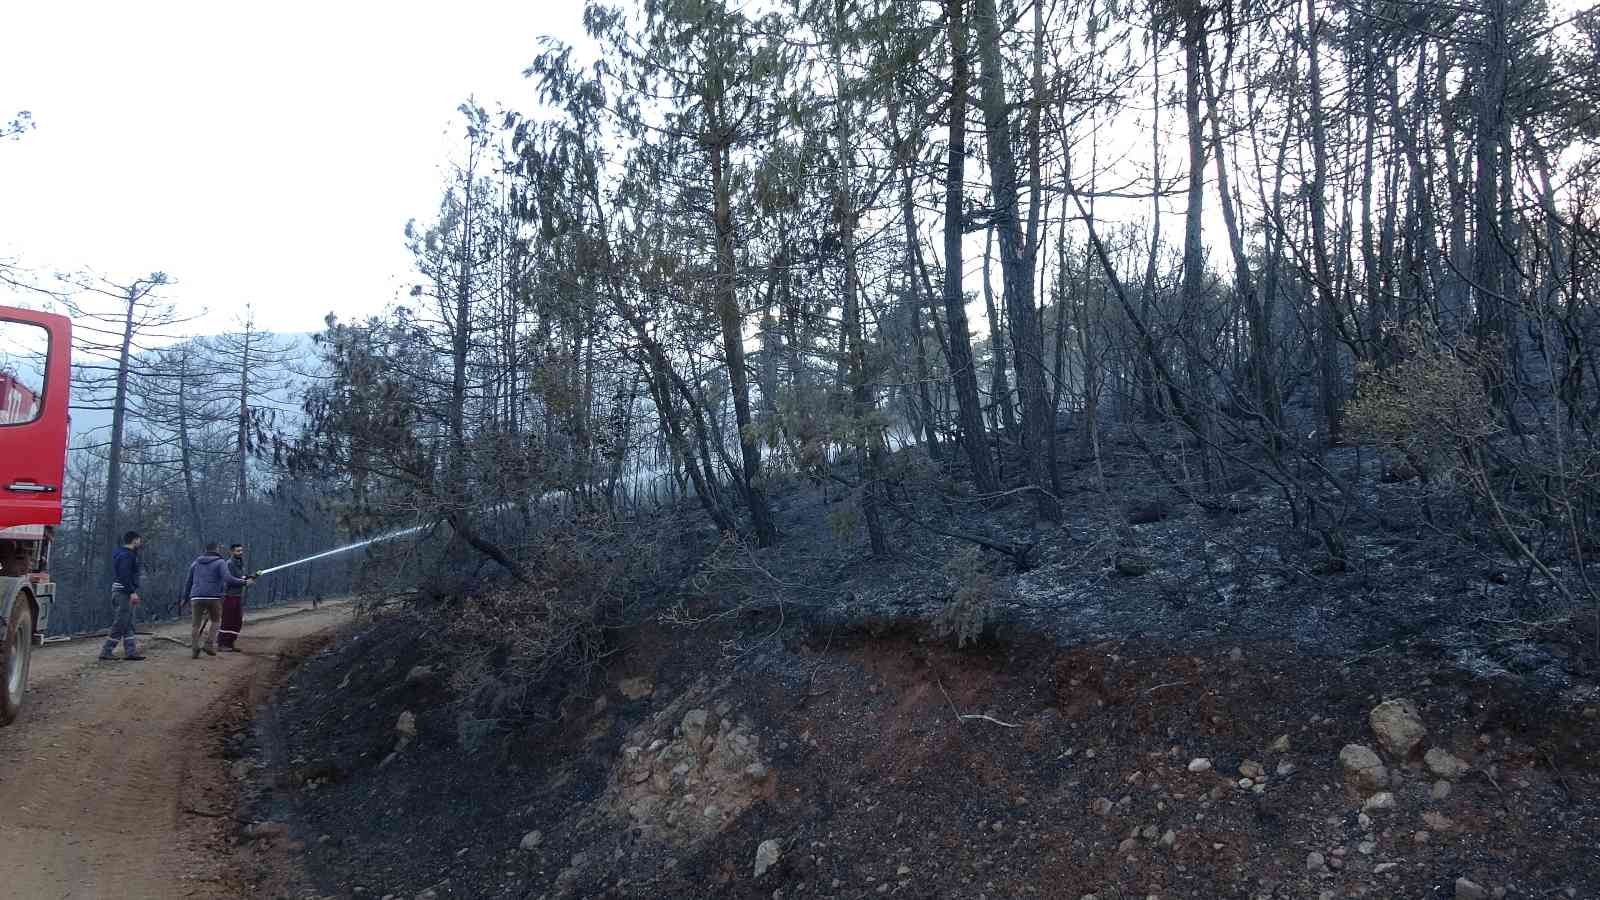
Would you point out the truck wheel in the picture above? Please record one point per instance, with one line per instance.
(15, 653)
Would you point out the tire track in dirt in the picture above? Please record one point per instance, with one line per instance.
(98, 777)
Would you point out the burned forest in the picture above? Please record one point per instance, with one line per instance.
(977, 448)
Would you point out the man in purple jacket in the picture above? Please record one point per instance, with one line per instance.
(209, 580)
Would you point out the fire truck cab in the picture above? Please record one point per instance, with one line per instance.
(35, 369)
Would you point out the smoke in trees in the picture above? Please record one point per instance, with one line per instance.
(753, 242)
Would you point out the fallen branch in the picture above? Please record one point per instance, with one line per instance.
(947, 699)
(1504, 802)
(960, 716)
(1370, 653)
(989, 719)
(206, 813)
(1019, 554)
(1167, 685)
(1560, 778)
(990, 498)
(458, 522)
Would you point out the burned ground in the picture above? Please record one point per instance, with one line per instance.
(1054, 757)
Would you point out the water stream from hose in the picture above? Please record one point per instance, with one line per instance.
(346, 548)
(635, 479)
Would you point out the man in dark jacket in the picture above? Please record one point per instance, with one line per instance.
(125, 570)
(232, 602)
(209, 579)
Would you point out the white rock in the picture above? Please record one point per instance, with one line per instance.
(1281, 745)
(767, 855)
(636, 688)
(694, 726)
(266, 830)
(406, 726)
(1398, 726)
(1315, 862)
(1445, 764)
(1380, 800)
(1468, 890)
(1200, 764)
(1363, 768)
(1437, 821)
(531, 840)
(1381, 868)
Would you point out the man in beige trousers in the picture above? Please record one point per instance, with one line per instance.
(209, 580)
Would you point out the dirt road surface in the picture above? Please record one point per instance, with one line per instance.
(106, 788)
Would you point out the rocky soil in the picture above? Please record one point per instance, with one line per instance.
(855, 765)
(1169, 702)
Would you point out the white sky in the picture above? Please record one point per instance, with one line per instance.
(256, 153)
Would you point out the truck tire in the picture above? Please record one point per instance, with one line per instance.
(15, 653)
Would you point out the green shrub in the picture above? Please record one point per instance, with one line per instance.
(1433, 407)
(973, 595)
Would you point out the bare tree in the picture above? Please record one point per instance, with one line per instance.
(974, 438)
(256, 363)
(114, 321)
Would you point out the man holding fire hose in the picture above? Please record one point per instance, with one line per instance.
(232, 602)
(209, 579)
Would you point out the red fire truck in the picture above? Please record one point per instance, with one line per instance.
(35, 369)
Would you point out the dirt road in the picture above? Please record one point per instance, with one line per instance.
(106, 789)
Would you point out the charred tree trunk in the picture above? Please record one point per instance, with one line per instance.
(1327, 305)
(119, 425)
(731, 318)
(999, 387)
(186, 453)
(973, 436)
(1017, 255)
(868, 434)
